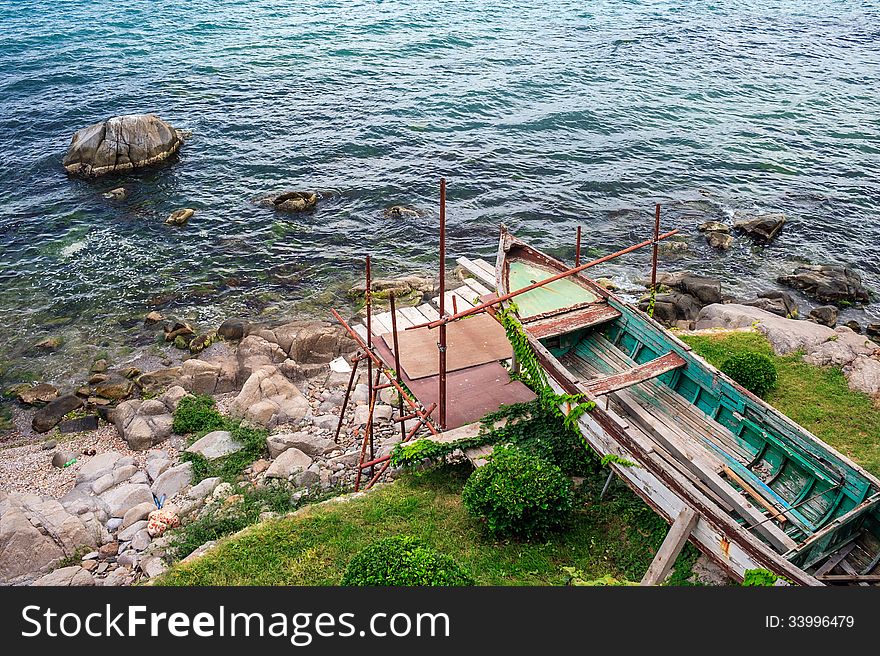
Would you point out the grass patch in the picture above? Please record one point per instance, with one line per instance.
(618, 536)
(817, 398)
(199, 415)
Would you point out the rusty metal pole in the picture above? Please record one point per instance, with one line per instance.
(369, 303)
(577, 248)
(347, 395)
(442, 344)
(397, 361)
(656, 248)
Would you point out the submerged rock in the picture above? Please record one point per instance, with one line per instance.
(828, 283)
(779, 303)
(120, 193)
(401, 211)
(762, 228)
(38, 394)
(121, 143)
(292, 201)
(180, 217)
(720, 240)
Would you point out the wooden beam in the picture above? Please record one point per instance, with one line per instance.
(832, 562)
(850, 578)
(700, 462)
(755, 494)
(478, 271)
(636, 375)
(673, 544)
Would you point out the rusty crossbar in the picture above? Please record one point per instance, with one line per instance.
(423, 414)
(442, 321)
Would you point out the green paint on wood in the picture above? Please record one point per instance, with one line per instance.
(555, 296)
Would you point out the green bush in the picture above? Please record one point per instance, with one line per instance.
(518, 494)
(754, 371)
(196, 414)
(404, 561)
(759, 577)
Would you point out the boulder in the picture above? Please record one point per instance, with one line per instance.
(288, 463)
(840, 349)
(204, 488)
(143, 424)
(863, 375)
(47, 417)
(98, 466)
(215, 376)
(172, 397)
(173, 480)
(119, 193)
(714, 226)
(775, 302)
(255, 351)
(158, 381)
(762, 228)
(141, 540)
(672, 307)
(128, 533)
(180, 217)
(62, 457)
(66, 577)
(828, 283)
(292, 201)
(407, 289)
(116, 388)
(137, 513)
(311, 445)
(121, 143)
(719, 240)
(215, 445)
(825, 315)
(123, 498)
(785, 335)
(872, 330)
(233, 329)
(268, 399)
(38, 394)
(704, 289)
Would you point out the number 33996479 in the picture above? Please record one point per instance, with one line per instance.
(809, 621)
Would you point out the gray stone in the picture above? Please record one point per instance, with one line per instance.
(763, 228)
(119, 576)
(121, 143)
(66, 577)
(123, 498)
(233, 329)
(825, 315)
(863, 375)
(381, 412)
(137, 513)
(326, 422)
(719, 240)
(361, 393)
(47, 417)
(114, 523)
(306, 478)
(62, 457)
(102, 484)
(173, 480)
(129, 559)
(141, 540)
(79, 425)
(268, 399)
(311, 445)
(204, 488)
(840, 349)
(216, 444)
(288, 463)
(828, 283)
(200, 551)
(153, 566)
(155, 467)
(128, 533)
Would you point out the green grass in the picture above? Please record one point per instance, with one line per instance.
(618, 536)
(816, 398)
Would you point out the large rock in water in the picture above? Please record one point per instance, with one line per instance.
(763, 228)
(121, 143)
(828, 283)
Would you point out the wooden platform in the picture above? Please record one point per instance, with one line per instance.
(472, 392)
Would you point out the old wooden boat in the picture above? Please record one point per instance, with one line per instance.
(766, 492)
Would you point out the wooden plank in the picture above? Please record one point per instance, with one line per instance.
(833, 561)
(361, 330)
(479, 290)
(563, 323)
(461, 302)
(381, 323)
(636, 375)
(472, 267)
(847, 567)
(429, 311)
(412, 316)
(755, 494)
(488, 268)
(673, 544)
(704, 465)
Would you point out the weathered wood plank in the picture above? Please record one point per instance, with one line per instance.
(480, 272)
(429, 311)
(705, 466)
(850, 578)
(568, 321)
(673, 544)
(833, 561)
(636, 375)
(474, 284)
(755, 494)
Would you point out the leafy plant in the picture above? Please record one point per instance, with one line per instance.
(759, 577)
(518, 494)
(754, 371)
(402, 560)
(196, 414)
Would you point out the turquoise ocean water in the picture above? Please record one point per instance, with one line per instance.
(541, 115)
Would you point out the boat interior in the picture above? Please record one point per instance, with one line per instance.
(780, 483)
